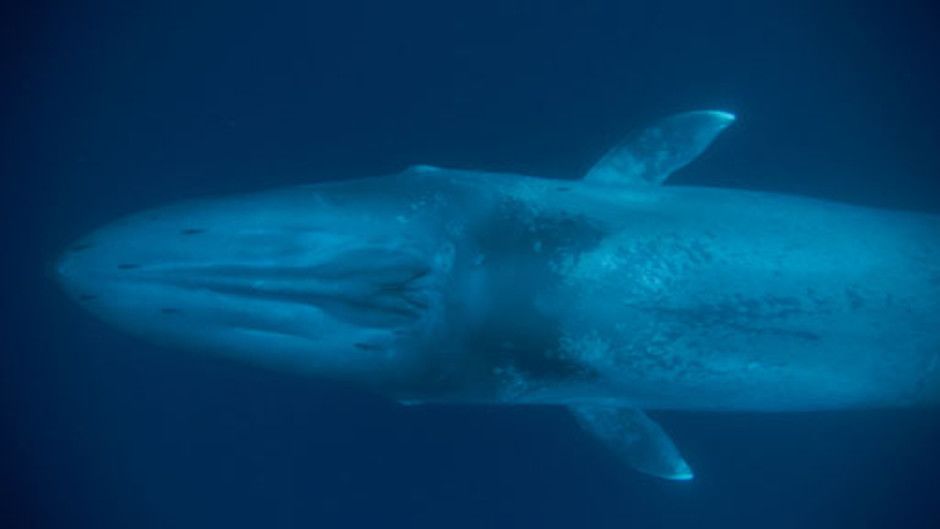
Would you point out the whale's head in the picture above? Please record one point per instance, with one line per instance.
(286, 278)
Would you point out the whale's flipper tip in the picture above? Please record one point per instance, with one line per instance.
(722, 116)
(636, 439)
(683, 472)
(650, 155)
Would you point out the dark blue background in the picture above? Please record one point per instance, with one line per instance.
(115, 106)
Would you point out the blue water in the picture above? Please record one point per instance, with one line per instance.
(116, 106)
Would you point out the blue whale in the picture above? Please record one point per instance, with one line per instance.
(608, 295)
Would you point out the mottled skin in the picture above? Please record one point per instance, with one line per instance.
(459, 286)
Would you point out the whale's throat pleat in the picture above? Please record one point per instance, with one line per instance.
(364, 288)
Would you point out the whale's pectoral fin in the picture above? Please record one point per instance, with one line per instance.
(634, 438)
(651, 155)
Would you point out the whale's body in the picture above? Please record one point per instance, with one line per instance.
(607, 295)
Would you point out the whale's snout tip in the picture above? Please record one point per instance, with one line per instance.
(65, 268)
(59, 267)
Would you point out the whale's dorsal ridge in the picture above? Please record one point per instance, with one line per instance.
(650, 155)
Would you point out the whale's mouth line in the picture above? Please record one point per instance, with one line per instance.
(374, 290)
